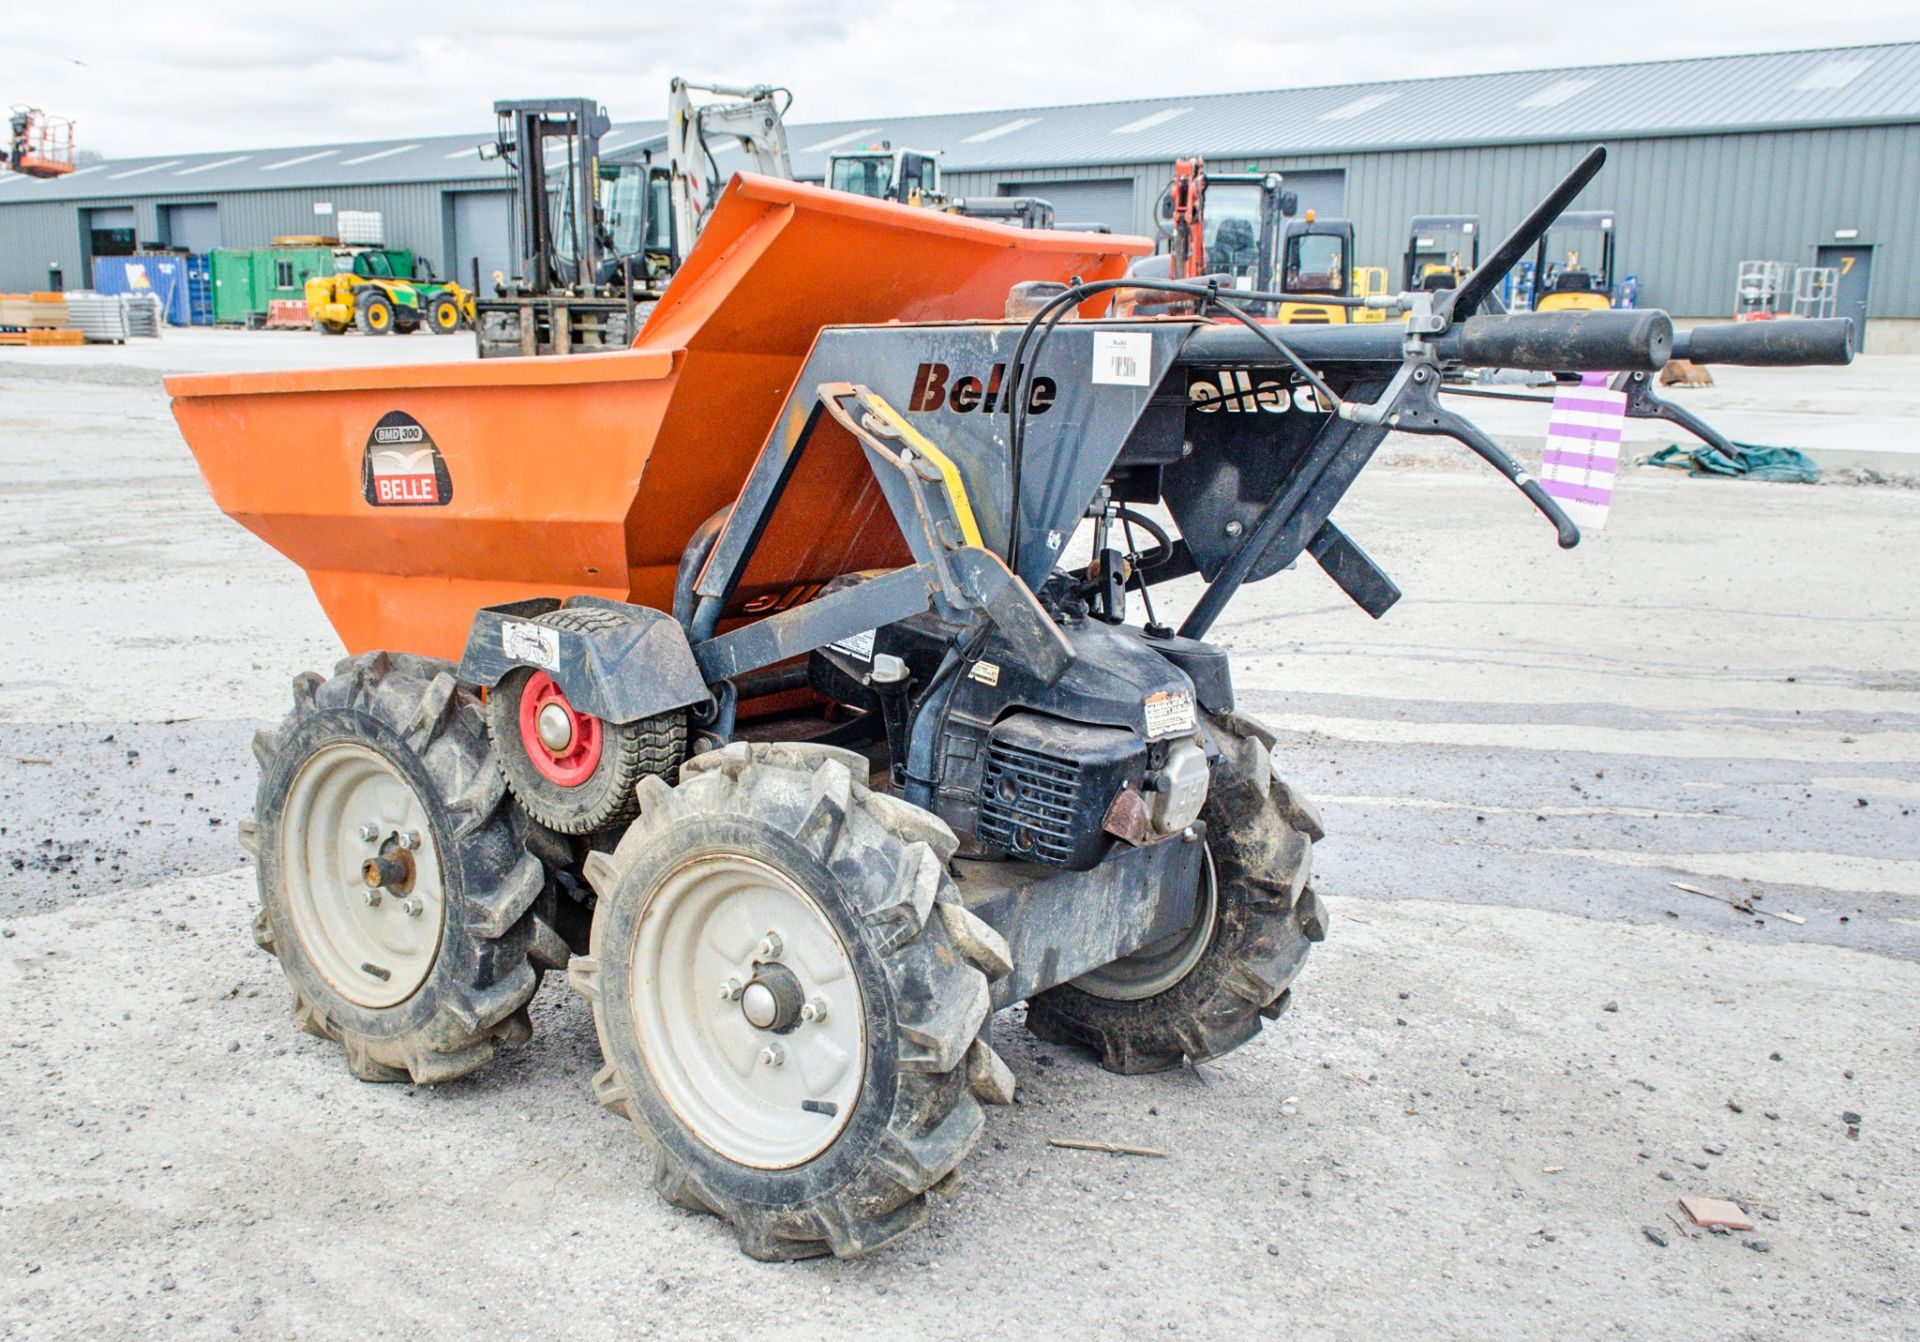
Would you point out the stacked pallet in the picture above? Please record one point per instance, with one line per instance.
(37, 319)
(141, 314)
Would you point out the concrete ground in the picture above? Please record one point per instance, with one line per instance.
(1520, 1043)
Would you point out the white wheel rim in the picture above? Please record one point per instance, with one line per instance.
(702, 931)
(1152, 970)
(373, 953)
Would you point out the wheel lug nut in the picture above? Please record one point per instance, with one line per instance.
(409, 838)
(730, 990)
(372, 897)
(413, 907)
(773, 1055)
(771, 947)
(815, 1010)
(368, 834)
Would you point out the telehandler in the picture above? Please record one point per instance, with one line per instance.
(744, 675)
(365, 291)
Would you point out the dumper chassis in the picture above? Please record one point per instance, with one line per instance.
(873, 757)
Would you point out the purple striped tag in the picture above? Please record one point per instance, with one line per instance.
(1581, 461)
(1590, 433)
(1598, 495)
(1582, 451)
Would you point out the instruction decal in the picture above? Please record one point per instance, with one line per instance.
(858, 645)
(536, 643)
(401, 467)
(1169, 713)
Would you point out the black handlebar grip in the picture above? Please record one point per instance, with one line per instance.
(1562, 524)
(1568, 342)
(1787, 343)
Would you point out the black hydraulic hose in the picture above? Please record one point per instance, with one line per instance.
(1127, 518)
(1041, 325)
(1496, 395)
(1151, 559)
(692, 560)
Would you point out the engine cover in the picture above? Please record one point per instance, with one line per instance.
(1047, 785)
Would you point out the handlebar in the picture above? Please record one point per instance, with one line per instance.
(1790, 342)
(1601, 342)
(1610, 341)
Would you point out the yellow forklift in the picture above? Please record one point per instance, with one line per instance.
(1441, 250)
(1576, 278)
(1316, 259)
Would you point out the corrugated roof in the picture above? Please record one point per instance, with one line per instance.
(1777, 90)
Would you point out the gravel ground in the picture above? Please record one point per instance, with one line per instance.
(1451, 1134)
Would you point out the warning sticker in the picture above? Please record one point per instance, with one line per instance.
(1122, 358)
(987, 673)
(536, 643)
(401, 467)
(856, 645)
(1169, 713)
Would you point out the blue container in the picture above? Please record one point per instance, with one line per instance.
(162, 275)
(200, 290)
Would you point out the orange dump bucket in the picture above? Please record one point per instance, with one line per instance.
(414, 495)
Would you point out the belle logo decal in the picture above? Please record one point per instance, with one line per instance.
(930, 391)
(402, 468)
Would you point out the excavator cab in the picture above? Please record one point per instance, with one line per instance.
(1223, 223)
(1441, 250)
(881, 172)
(1573, 265)
(636, 210)
(1316, 258)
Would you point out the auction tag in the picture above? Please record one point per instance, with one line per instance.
(536, 643)
(1122, 358)
(1169, 713)
(1582, 456)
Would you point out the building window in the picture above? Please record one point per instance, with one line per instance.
(283, 274)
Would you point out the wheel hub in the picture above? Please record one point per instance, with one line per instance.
(563, 743)
(765, 1071)
(1153, 969)
(773, 1000)
(364, 884)
(556, 728)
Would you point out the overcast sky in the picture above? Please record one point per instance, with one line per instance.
(150, 78)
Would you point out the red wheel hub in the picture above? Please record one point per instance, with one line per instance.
(574, 762)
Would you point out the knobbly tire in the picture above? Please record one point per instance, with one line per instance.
(427, 982)
(443, 315)
(876, 1097)
(1174, 1001)
(588, 785)
(373, 313)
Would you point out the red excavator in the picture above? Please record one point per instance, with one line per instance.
(39, 145)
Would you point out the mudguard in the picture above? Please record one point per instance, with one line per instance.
(624, 674)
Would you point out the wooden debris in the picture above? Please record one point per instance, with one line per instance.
(1740, 903)
(1715, 1212)
(1109, 1148)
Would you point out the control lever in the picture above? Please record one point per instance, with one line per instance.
(1464, 299)
(1417, 409)
(1643, 402)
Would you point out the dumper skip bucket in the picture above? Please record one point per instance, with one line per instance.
(414, 495)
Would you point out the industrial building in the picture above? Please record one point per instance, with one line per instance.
(1804, 157)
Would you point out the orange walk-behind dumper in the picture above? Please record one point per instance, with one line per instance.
(744, 676)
